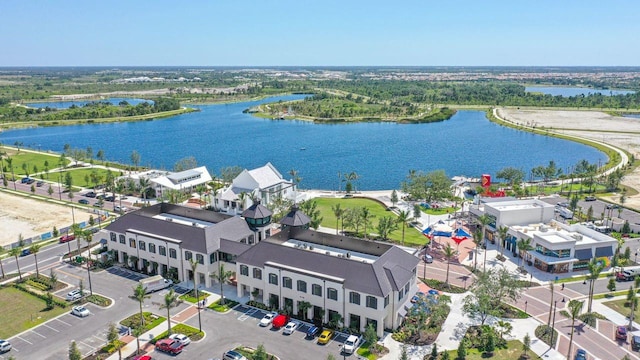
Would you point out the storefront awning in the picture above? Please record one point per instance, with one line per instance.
(583, 254)
(550, 260)
(604, 251)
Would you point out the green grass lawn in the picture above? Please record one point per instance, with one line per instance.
(412, 236)
(30, 159)
(512, 352)
(619, 306)
(21, 311)
(78, 175)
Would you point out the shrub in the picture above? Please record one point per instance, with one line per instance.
(187, 330)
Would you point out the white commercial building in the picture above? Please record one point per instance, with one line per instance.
(161, 181)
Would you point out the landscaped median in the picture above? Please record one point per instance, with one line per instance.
(191, 332)
(228, 305)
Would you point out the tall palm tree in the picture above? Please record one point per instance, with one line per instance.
(575, 307)
(144, 184)
(366, 215)
(170, 301)
(403, 217)
(449, 252)
(139, 294)
(551, 287)
(484, 220)
(194, 268)
(477, 239)
(337, 212)
(15, 252)
(1, 266)
(502, 234)
(78, 233)
(13, 176)
(88, 237)
(595, 268)
(34, 250)
(222, 277)
(524, 245)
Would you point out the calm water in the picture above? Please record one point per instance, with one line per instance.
(635, 116)
(68, 104)
(574, 91)
(381, 153)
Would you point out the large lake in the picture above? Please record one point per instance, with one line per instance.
(68, 104)
(574, 91)
(381, 153)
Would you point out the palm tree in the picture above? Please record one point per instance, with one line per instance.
(88, 237)
(338, 212)
(575, 307)
(170, 301)
(366, 215)
(194, 268)
(448, 254)
(551, 287)
(477, 239)
(144, 184)
(595, 268)
(502, 234)
(34, 250)
(15, 252)
(524, 245)
(484, 220)
(403, 217)
(139, 294)
(304, 306)
(1, 266)
(13, 176)
(222, 277)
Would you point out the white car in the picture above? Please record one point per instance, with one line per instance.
(290, 328)
(4, 346)
(80, 311)
(120, 208)
(184, 339)
(267, 319)
(351, 344)
(74, 295)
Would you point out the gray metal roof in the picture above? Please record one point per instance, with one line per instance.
(203, 240)
(257, 211)
(176, 177)
(295, 217)
(233, 247)
(390, 272)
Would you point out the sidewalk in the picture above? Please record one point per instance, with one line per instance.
(145, 342)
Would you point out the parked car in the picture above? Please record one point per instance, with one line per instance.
(290, 328)
(25, 252)
(428, 259)
(4, 346)
(143, 357)
(74, 295)
(312, 332)
(119, 208)
(325, 336)
(90, 194)
(98, 204)
(31, 181)
(184, 339)
(267, 319)
(39, 183)
(100, 197)
(351, 344)
(169, 346)
(635, 342)
(280, 321)
(80, 311)
(84, 201)
(67, 238)
(581, 354)
(233, 355)
(109, 198)
(590, 198)
(24, 180)
(621, 333)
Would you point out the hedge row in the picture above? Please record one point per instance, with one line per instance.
(57, 302)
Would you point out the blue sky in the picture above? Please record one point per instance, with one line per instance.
(320, 33)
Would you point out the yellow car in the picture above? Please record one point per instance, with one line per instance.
(325, 336)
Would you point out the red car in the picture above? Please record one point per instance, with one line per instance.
(143, 357)
(169, 346)
(67, 238)
(621, 333)
(280, 321)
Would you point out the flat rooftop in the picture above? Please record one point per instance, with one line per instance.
(330, 250)
(515, 206)
(183, 220)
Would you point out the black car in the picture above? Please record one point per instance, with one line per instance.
(90, 194)
(39, 183)
(109, 198)
(84, 201)
(313, 332)
(635, 342)
(590, 198)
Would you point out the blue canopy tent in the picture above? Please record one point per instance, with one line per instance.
(441, 233)
(461, 232)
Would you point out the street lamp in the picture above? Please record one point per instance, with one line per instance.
(635, 260)
(525, 306)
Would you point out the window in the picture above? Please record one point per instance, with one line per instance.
(162, 250)
(113, 236)
(273, 279)
(287, 282)
(132, 243)
(400, 294)
(188, 255)
(142, 246)
(386, 301)
(316, 289)
(200, 259)
(332, 294)
(257, 273)
(406, 288)
(123, 240)
(213, 258)
(372, 302)
(244, 270)
(152, 248)
(302, 286)
(354, 298)
(173, 253)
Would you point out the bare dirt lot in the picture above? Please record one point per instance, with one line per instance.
(21, 215)
(614, 130)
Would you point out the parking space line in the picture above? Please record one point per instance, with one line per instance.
(247, 315)
(28, 342)
(99, 338)
(51, 328)
(42, 336)
(66, 323)
(87, 345)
